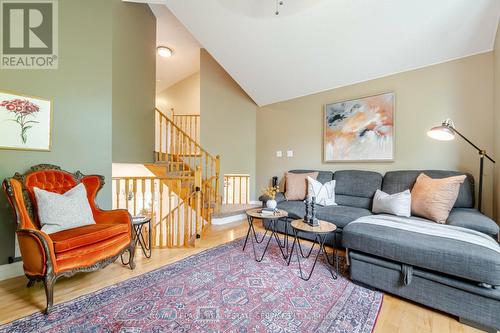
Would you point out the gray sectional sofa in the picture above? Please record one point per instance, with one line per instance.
(459, 278)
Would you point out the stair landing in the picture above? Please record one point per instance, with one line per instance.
(231, 213)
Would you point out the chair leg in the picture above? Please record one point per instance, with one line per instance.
(31, 283)
(131, 251)
(48, 283)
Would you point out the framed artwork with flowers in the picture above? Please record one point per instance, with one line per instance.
(25, 122)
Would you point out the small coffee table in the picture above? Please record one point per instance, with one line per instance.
(320, 233)
(256, 213)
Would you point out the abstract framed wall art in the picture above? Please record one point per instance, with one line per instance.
(360, 129)
(25, 122)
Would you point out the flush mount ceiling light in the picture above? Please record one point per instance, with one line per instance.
(164, 51)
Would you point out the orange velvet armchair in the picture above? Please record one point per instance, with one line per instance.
(46, 257)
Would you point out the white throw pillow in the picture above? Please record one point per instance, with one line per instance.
(324, 193)
(58, 212)
(396, 204)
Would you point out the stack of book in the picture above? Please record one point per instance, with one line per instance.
(268, 211)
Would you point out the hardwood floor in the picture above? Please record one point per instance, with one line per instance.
(17, 301)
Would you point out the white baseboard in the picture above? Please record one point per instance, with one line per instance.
(11, 270)
(229, 219)
(255, 202)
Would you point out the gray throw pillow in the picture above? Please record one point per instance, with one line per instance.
(396, 204)
(58, 212)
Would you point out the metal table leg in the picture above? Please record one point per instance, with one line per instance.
(320, 240)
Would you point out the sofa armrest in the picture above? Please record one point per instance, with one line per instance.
(37, 251)
(280, 197)
(472, 219)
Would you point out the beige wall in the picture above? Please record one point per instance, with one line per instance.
(183, 97)
(228, 120)
(461, 90)
(496, 89)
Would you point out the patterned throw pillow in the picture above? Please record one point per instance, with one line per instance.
(396, 204)
(434, 198)
(324, 193)
(58, 212)
(296, 185)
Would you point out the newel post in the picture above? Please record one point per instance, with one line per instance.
(217, 184)
(198, 205)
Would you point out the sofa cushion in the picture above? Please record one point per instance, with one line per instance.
(449, 256)
(472, 219)
(323, 176)
(398, 181)
(356, 188)
(341, 215)
(71, 239)
(296, 185)
(295, 209)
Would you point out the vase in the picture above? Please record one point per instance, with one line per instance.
(271, 204)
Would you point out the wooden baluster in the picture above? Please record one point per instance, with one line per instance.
(134, 191)
(117, 188)
(160, 185)
(143, 192)
(234, 189)
(178, 229)
(127, 189)
(154, 216)
(198, 205)
(171, 138)
(241, 191)
(186, 221)
(217, 183)
(195, 132)
(170, 216)
(247, 197)
(161, 139)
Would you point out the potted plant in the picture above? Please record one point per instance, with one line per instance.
(270, 193)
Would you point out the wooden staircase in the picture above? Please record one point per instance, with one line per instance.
(183, 192)
(179, 155)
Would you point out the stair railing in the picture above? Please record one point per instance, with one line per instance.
(176, 221)
(183, 156)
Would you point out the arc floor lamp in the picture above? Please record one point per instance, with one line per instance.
(446, 132)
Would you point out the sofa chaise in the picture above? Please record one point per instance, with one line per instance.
(456, 277)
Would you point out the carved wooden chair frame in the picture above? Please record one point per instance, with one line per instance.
(50, 277)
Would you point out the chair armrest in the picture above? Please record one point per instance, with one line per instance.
(112, 216)
(280, 196)
(37, 251)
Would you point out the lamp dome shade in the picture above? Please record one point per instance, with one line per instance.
(441, 133)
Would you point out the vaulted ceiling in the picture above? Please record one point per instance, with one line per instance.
(316, 45)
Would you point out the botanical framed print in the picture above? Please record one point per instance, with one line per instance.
(360, 129)
(25, 122)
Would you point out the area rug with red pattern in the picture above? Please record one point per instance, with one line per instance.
(219, 290)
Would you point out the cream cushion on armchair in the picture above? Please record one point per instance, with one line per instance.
(59, 212)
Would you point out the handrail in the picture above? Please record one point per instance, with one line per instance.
(196, 144)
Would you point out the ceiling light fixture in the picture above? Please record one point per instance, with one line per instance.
(278, 4)
(164, 51)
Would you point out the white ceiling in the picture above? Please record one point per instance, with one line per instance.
(186, 57)
(316, 45)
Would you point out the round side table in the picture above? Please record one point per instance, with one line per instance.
(138, 223)
(273, 218)
(320, 233)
